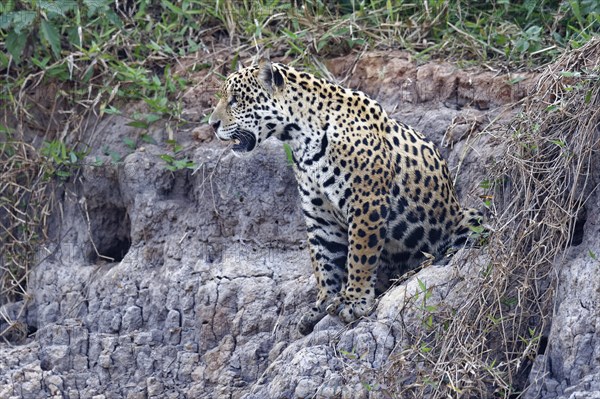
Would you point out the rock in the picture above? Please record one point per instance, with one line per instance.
(203, 134)
(54, 383)
(155, 386)
(132, 320)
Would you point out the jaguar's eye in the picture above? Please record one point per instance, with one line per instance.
(232, 101)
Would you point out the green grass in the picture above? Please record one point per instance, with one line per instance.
(92, 43)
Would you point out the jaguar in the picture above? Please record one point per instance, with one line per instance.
(376, 194)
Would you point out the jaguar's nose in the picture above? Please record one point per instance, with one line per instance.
(215, 125)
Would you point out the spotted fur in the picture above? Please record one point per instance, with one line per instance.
(376, 194)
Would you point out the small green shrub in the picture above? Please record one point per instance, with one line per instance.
(61, 160)
(173, 161)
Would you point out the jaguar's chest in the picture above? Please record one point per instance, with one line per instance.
(322, 177)
(324, 189)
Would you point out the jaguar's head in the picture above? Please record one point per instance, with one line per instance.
(248, 111)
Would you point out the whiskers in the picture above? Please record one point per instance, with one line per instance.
(244, 135)
(246, 141)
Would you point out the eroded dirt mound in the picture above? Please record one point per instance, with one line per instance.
(190, 283)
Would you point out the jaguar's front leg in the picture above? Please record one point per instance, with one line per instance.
(366, 237)
(328, 251)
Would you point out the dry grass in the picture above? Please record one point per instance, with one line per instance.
(541, 183)
(24, 208)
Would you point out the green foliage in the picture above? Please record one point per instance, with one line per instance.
(114, 155)
(480, 234)
(519, 32)
(423, 294)
(143, 120)
(23, 21)
(62, 161)
(288, 153)
(122, 51)
(173, 161)
(350, 355)
(113, 50)
(173, 164)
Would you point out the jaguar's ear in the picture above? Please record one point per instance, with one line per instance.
(240, 65)
(269, 76)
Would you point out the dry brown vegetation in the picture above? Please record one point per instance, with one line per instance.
(24, 207)
(539, 187)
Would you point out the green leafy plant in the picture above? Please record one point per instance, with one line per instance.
(24, 20)
(350, 355)
(143, 120)
(175, 163)
(288, 153)
(114, 155)
(423, 294)
(62, 160)
(529, 40)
